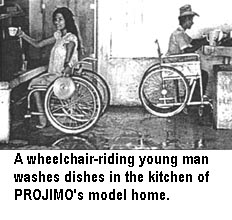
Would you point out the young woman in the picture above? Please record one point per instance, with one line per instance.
(64, 53)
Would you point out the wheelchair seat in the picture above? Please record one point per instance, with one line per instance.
(188, 64)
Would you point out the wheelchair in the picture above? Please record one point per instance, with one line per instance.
(82, 69)
(79, 112)
(167, 87)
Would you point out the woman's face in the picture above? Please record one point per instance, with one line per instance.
(59, 22)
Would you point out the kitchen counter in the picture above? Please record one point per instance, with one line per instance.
(219, 51)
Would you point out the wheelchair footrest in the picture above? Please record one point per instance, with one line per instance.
(29, 115)
(37, 113)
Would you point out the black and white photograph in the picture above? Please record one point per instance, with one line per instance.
(115, 109)
(115, 74)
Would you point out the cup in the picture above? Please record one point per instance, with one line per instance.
(13, 31)
(208, 50)
(214, 36)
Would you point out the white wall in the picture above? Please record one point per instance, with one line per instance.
(159, 19)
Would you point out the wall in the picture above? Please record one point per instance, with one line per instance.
(119, 59)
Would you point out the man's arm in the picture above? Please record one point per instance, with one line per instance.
(196, 44)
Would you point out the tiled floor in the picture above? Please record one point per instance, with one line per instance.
(127, 128)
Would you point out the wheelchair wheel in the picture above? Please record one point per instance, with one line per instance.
(77, 113)
(98, 81)
(73, 143)
(164, 91)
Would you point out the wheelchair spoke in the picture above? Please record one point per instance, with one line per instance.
(78, 112)
(57, 108)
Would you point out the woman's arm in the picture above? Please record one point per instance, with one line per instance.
(67, 65)
(36, 43)
(70, 48)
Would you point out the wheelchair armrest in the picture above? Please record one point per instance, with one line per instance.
(38, 87)
(181, 58)
(87, 61)
(91, 59)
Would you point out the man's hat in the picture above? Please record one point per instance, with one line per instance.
(187, 10)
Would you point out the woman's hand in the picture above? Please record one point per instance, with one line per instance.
(67, 71)
(20, 33)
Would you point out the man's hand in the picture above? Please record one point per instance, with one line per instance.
(199, 42)
(196, 45)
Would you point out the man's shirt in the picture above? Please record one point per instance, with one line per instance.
(179, 40)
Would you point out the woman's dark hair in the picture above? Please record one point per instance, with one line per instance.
(69, 22)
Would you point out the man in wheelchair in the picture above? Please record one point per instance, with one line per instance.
(180, 42)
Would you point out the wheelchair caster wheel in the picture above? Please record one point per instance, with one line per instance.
(201, 111)
(185, 111)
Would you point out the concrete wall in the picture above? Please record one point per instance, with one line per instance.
(116, 62)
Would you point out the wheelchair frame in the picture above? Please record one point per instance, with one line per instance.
(93, 84)
(159, 90)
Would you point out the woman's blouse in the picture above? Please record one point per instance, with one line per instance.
(58, 52)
